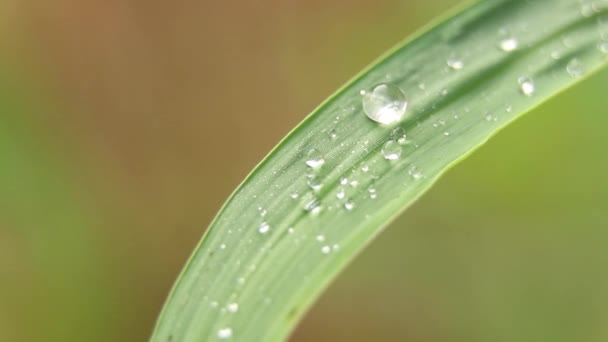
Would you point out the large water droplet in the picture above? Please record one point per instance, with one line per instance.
(314, 158)
(224, 333)
(526, 85)
(391, 150)
(385, 104)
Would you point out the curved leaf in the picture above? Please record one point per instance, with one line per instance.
(292, 225)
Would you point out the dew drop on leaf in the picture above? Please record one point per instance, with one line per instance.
(224, 333)
(232, 307)
(508, 44)
(398, 134)
(314, 158)
(385, 103)
(526, 85)
(264, 228)
(414, 173)
(575, 68)
(349, 205)
(314, 183)
(333, 134)
(391, 150)
(313, 207)
(455, 63)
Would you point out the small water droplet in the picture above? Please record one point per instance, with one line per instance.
(455, 63)
(343, 180)
(349, 205)
(446, 133)
(314, 159)
(443, 92)
(313, 207)
(290, 230)
(526, 85)
(414, 173)
(372, 192)
(264, 228)
(294, 195)
(575, 68)
(364, 168)
(314, 183)
(341, 193)
(489, 117)
(509, 109)
(224, 333)
(326, 249)
(508, 44)
(398, 134)
(223, 246)
(354, 183)
(262, 211)
(385, 104)
(214, 304)
(391, 150)
(568, 42)
(232, 307)
(320, 238)
(333, 134)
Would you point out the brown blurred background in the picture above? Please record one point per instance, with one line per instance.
(124, 125)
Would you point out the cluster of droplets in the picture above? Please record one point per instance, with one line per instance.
(386, 104)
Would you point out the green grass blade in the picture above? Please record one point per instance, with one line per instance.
(268, 254)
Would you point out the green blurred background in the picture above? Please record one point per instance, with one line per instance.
(125, 124)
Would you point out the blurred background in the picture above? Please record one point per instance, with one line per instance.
(125, 124)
